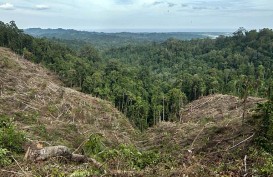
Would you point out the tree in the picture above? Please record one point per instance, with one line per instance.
(240, 32)
(176, 100)
(265, 136)
(90, 53)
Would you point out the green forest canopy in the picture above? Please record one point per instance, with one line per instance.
(152, 81)
(102, 41)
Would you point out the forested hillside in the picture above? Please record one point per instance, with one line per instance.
(151, 82)
(102, 41)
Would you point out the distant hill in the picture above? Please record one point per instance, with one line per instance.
(102, 40)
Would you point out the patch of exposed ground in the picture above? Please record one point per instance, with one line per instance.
(217, 107)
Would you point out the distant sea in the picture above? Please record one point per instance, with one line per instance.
(207, 33)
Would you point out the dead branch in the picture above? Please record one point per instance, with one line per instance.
(81, 145)
(245, 165)
(192, 144)
(19, 165)
(14, 172)
(241, 142)
(27, 153)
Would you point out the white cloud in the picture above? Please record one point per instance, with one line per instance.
(154, 14)
(41, 7)
(7, 6)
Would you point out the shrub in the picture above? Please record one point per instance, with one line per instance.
(94, 145)
(5, 121)
(131, 157)
(10, 138)
(263, 162)
(4, 159)
(265, 134)
(129, 154)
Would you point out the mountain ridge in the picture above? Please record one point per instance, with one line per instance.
(116, 39)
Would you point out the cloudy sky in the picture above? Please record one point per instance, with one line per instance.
(142, 15)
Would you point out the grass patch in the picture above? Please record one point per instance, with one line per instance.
(27, 117)
(7, 63)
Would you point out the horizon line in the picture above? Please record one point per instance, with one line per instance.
(139, 30)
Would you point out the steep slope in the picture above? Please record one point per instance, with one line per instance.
(40, 105)
(210, 141)
(51, 114)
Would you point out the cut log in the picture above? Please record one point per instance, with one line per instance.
(58, 151)
(49, 152)
(79, 158)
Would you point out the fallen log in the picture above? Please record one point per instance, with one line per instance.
(46, 153)
(49, 152)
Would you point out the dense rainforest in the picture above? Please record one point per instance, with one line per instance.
(150, 82)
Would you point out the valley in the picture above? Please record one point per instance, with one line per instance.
(199, 107)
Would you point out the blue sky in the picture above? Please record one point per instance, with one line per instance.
(142, 15)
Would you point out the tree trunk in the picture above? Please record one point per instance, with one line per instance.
(58, 151)
(163, 109)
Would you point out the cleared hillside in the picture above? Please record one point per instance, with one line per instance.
(218, 107)
(32, 95)
(211, 140)
(51, 114)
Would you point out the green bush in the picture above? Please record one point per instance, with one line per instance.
(132, 157)
(86, 173)
(94, 145)
(10, 138)
(265, 133)
(4, 159)
(263, 161)
(267, 168)
(5, 121)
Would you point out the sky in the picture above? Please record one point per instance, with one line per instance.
(139, 15)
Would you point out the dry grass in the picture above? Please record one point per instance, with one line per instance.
(211, 139)
(51, 114)
(47, 111)
(217, 107)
